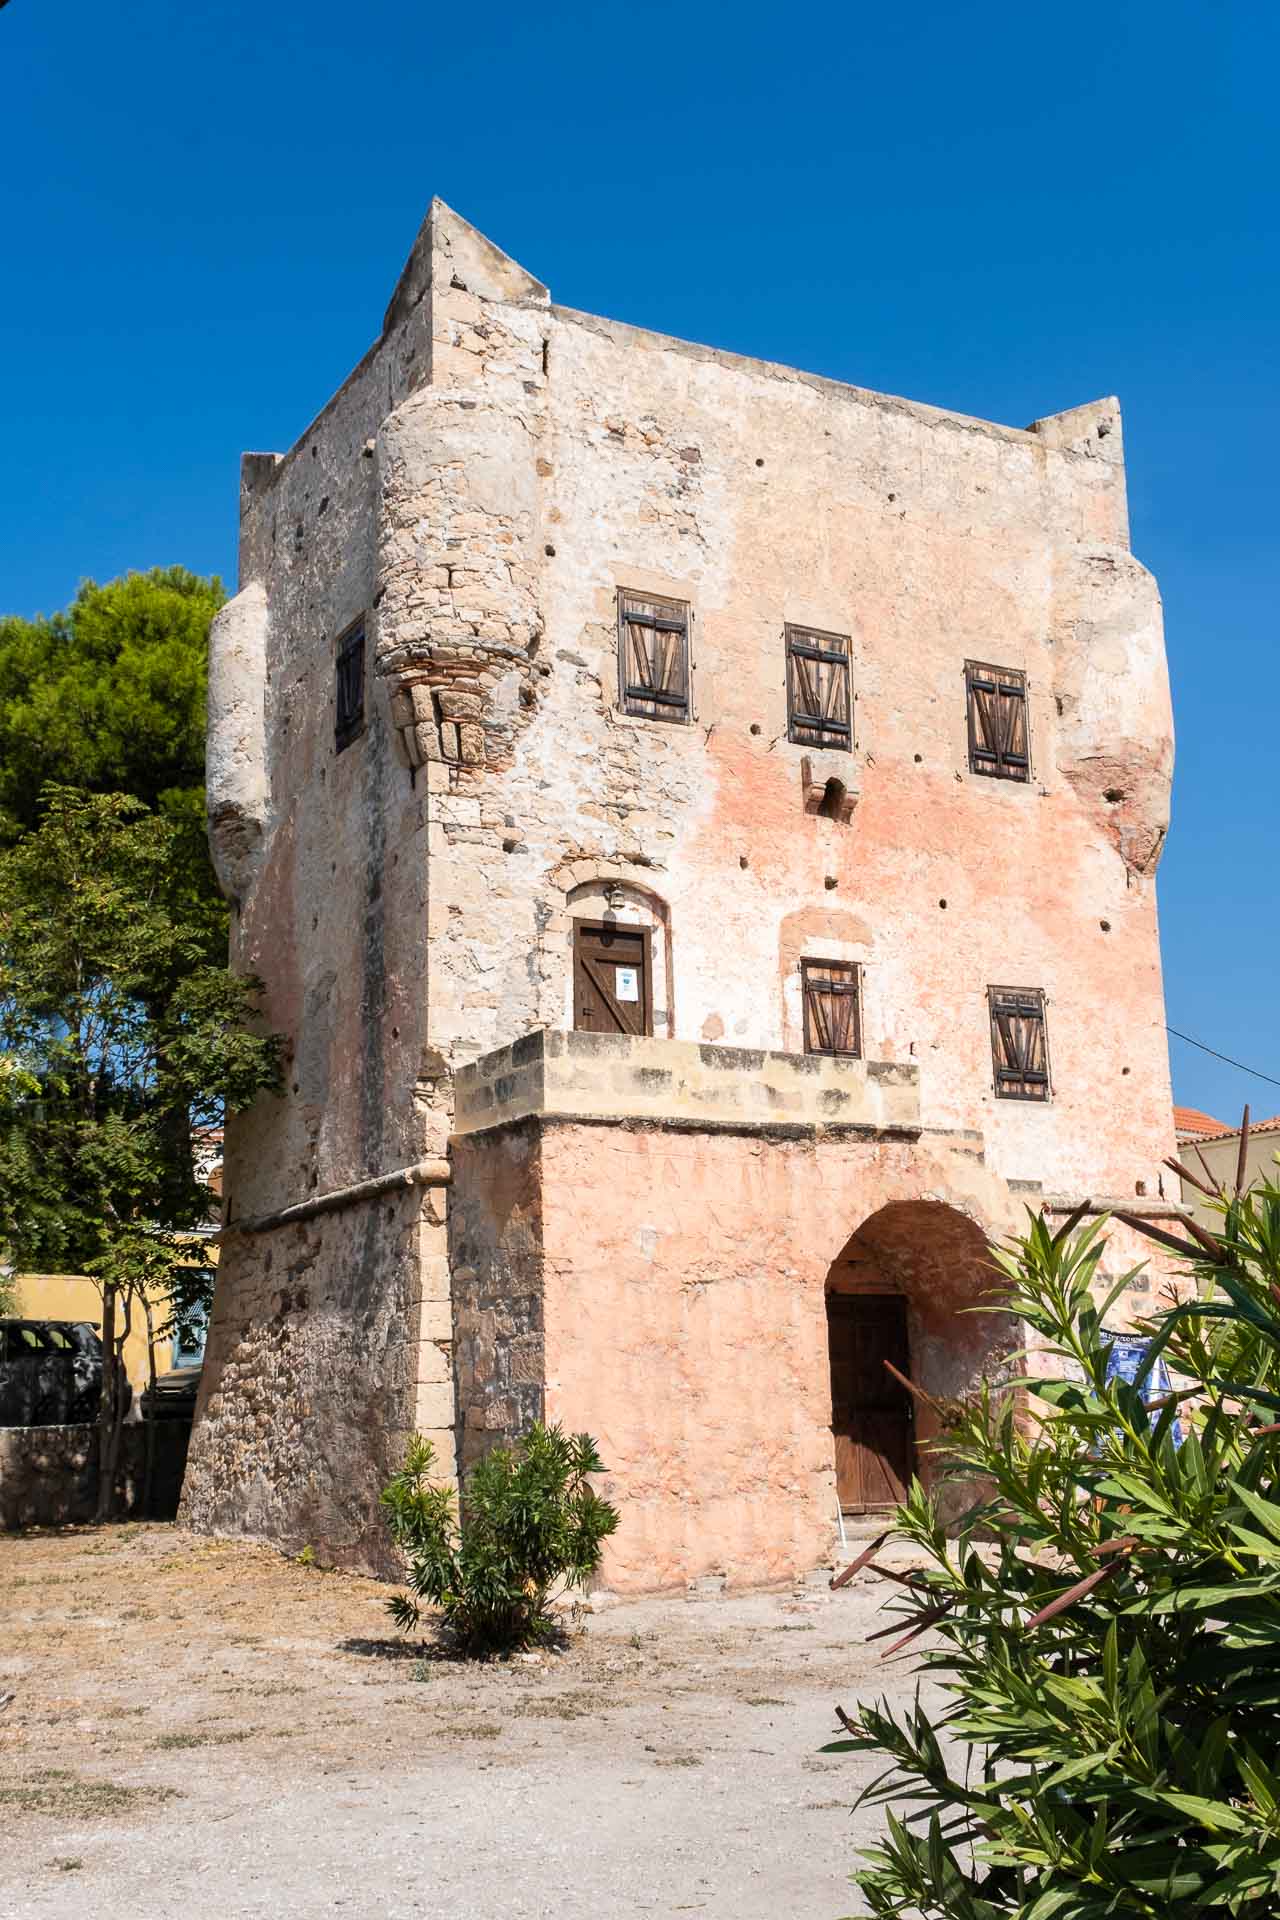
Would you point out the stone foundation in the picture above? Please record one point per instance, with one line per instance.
(49, 1475)
(331, 1342)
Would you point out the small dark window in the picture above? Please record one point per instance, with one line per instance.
(832, 1008)
(998, 741)
(818, 703)
(349, 707)
(1019, 1046)
(653, 657)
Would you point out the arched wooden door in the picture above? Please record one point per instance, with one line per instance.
(871, 1418)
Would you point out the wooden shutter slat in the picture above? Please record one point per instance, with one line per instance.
(641, 670)
(653, 658)
(831, 998)
(996, 701)
(818, 693)
(808, 700)
(1019, 1043)
(818, 1011)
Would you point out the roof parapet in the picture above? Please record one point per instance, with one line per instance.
(1094, 429)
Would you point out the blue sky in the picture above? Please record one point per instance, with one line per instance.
(1002, 209)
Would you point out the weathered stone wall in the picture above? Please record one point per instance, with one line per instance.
(554, 458)
(324, 856)
(760, 497)
(311, 1380)
(495, 1247)
(49, 1475)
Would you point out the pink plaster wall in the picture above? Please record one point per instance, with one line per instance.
(685, 1327)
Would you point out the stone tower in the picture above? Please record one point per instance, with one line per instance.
(696, 826)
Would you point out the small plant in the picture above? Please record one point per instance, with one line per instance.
(532, 1524)
(307, 1558)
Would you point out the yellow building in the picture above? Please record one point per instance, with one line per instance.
(72, 1296)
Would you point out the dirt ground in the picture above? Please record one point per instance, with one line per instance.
(204, 1728)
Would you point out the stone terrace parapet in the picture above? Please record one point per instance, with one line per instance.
(605, 1076)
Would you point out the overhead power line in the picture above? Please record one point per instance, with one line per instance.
(1222, 1056)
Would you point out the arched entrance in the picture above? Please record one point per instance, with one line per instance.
(900, 1300)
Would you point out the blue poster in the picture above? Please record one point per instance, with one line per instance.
(1126, 1355)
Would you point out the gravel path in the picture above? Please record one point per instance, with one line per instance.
(204, 1729)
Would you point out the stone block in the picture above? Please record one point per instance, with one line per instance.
(613, 1046)
(435, 1317)
(652, 1080)
(458, 706)
(528, 1366)
(433, 1362)
(731, 1059)
(512, 1088)
(529, 1048)
(433, 1404)
(434, 1277)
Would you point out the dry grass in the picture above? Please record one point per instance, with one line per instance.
(69, 1796)
(130, 1649)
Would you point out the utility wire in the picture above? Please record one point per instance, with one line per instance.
(1222, 1056)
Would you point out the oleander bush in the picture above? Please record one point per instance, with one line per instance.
(1097, 1729)
(532, 1528)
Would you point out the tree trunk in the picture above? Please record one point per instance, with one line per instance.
(114, 1407)
(107, 1449)
(149, 1412)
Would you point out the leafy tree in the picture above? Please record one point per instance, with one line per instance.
(120, 1039)
(1109, 1742)
(532, 1523)
(109, 697)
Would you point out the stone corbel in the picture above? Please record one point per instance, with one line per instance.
(436, 719)
(827, 784)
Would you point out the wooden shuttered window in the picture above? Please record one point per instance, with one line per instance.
(999, 744)
(832, 992)
(1019, 1044)
(819, 706)
(653, 657)
(349, 694)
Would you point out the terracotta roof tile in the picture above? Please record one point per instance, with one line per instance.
(1191, 1120)
(1232, 1133)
